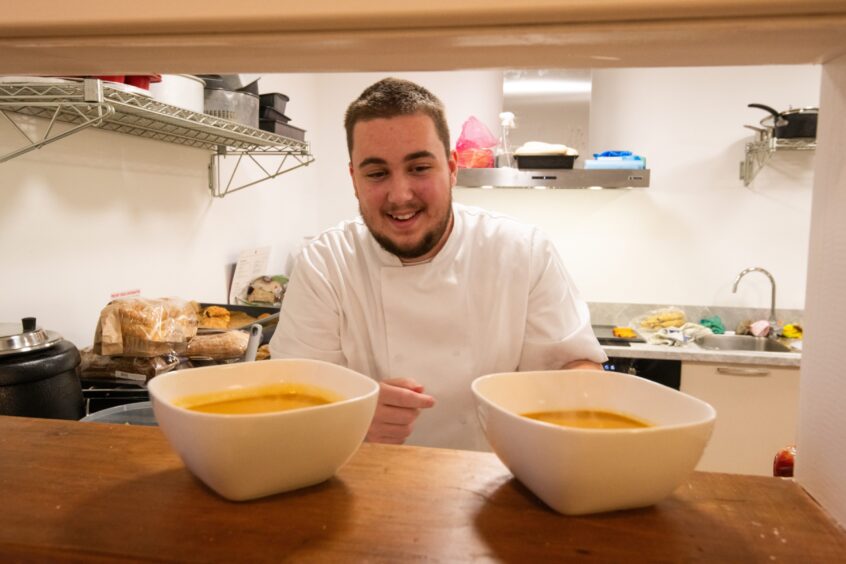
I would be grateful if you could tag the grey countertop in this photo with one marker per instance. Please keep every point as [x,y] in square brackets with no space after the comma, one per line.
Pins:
[624,314]
[692,352]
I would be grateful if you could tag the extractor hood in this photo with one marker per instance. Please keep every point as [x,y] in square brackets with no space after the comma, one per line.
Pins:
[551,178]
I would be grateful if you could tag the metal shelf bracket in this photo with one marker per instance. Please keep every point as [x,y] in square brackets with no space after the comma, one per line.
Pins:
[286,162]
[88,115]
[758,152]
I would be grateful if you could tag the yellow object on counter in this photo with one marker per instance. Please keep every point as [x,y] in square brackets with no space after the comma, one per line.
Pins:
[624,332]
[664,318]
[792,331]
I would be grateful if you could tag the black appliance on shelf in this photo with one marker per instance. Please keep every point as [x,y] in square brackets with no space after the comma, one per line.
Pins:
[38,372]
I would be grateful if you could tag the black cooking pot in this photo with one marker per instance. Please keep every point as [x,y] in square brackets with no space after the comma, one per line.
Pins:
[38,373]
[790,124]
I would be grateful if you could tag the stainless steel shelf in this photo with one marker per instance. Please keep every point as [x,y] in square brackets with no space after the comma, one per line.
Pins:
[551,178]
[92,103]
[758,152]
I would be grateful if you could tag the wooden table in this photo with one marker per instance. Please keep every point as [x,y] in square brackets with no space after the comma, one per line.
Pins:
[94,492]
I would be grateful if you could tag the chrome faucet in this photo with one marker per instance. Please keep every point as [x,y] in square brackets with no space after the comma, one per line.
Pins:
[772,296]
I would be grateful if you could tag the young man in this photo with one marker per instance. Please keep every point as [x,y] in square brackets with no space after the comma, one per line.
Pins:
[422,294]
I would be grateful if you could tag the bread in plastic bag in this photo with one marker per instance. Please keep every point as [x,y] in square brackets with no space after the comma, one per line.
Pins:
[145,327]
[662,318]
[123,368]
[219,346]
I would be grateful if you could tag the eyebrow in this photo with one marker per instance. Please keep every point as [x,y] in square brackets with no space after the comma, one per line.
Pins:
[409,157]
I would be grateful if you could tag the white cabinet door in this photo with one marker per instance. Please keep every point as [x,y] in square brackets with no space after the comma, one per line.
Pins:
[757,409]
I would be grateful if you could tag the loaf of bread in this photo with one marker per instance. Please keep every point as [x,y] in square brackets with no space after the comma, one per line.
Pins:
[219,346]
[215,317]
[145,327]
[263,352]
[238,319]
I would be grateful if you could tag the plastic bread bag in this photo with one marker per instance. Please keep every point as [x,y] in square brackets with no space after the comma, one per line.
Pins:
[145,327]
[226,345]
[661,318]
[123,368]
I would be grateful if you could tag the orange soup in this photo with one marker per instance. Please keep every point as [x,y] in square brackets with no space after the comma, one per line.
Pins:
[588,419]
[259,399]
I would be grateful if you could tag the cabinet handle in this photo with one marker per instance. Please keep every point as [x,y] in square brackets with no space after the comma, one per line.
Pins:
[743,371]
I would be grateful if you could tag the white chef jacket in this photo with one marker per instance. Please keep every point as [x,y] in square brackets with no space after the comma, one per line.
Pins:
[496,298]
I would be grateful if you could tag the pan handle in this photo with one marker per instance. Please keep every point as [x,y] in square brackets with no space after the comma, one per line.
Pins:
[775,113]
[778,119]
[253,343]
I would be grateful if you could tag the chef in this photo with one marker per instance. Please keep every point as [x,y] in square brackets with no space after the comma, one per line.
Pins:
[423,294]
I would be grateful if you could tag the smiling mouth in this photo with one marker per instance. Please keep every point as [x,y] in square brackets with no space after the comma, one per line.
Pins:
[403,216]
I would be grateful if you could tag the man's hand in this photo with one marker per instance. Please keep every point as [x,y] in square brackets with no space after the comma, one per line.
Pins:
[399,404]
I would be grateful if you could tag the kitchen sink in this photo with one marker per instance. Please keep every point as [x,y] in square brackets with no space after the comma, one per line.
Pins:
[741,343]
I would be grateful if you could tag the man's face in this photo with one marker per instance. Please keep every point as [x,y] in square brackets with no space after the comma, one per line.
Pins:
[403,182]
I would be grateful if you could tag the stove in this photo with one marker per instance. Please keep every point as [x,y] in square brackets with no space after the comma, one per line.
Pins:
[605,336]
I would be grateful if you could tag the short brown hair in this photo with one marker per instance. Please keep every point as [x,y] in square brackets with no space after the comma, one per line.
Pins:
[392,97]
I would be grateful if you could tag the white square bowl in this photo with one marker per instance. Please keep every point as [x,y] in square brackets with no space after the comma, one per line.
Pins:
[578,471]
[247,456]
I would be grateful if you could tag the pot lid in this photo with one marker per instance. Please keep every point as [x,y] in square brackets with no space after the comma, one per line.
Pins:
[25,336]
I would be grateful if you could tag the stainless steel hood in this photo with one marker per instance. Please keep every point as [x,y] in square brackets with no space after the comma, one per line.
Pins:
[551,178]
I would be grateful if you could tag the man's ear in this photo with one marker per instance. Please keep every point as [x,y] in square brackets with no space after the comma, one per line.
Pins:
[352,177]
[452,162]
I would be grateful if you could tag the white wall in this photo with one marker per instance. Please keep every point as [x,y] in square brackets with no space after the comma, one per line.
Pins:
[685,238]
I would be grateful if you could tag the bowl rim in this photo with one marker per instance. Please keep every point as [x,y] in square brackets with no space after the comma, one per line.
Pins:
[709,419]
[152,386]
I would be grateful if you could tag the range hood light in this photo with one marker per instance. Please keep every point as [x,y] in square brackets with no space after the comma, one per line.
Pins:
[538,87]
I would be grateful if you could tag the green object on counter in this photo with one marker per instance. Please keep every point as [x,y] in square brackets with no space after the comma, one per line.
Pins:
[714,323]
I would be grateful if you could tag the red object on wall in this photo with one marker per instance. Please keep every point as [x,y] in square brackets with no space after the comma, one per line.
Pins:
[783,462]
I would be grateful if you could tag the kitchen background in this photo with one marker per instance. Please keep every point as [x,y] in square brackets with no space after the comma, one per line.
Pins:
[99,213]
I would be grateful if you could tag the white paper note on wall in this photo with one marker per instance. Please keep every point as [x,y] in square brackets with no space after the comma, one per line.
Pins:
[251,264]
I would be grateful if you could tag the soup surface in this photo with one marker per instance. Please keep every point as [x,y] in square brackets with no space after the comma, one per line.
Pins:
[588,419]
[282,396]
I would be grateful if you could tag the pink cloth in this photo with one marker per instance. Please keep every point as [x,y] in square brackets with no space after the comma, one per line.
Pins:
[760,328]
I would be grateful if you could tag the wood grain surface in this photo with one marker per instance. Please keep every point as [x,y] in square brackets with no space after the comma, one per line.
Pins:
[100,38]
[32,19]
[88,492]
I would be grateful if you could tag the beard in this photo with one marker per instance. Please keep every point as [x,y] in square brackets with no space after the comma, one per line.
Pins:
[426,243]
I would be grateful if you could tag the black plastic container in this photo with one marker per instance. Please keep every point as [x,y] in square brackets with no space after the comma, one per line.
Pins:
[283,129]
[267,112]
[545,161]
[275,100]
